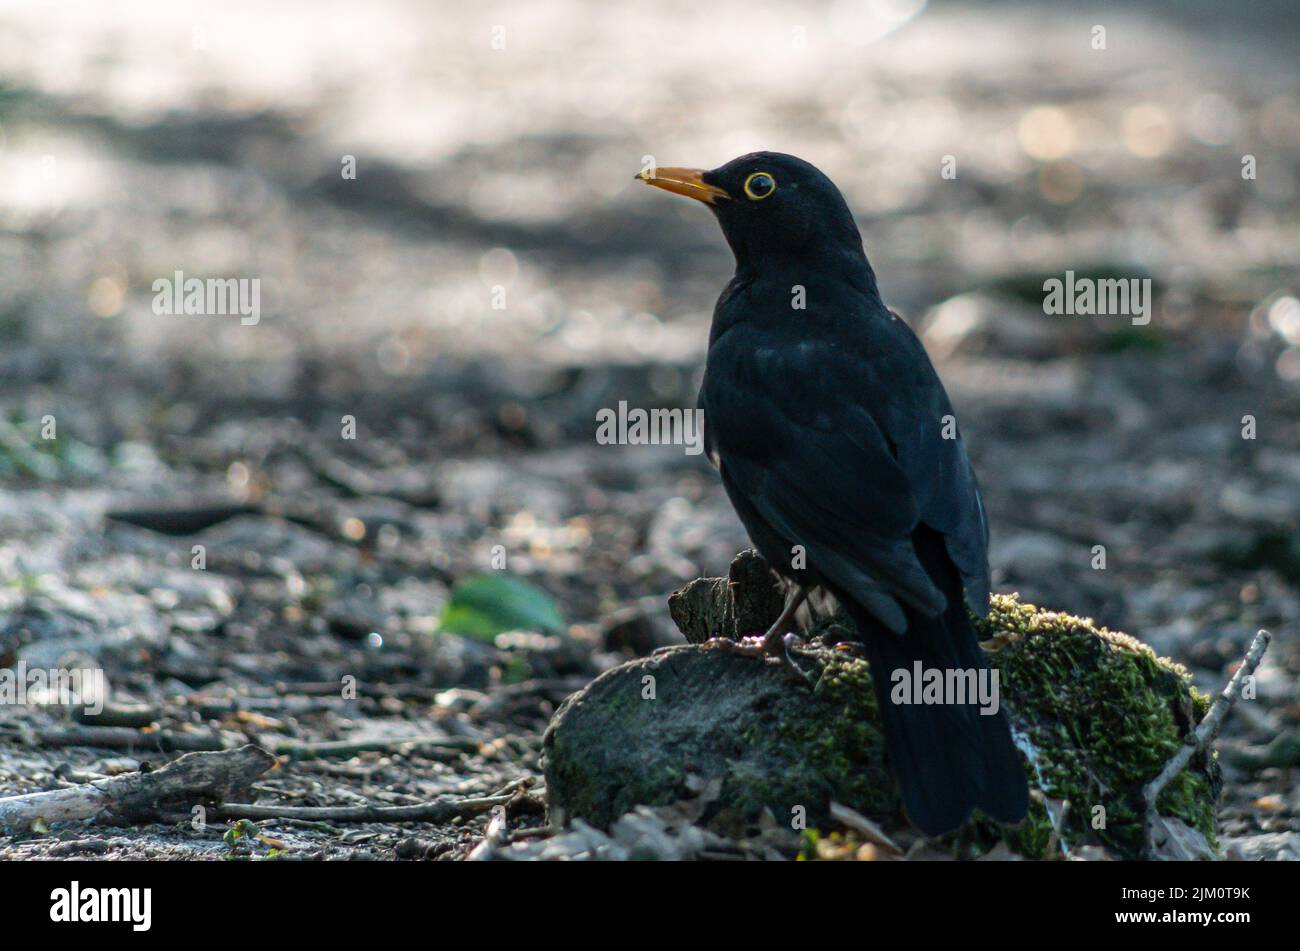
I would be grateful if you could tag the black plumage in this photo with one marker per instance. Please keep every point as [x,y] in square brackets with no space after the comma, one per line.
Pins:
[837,446]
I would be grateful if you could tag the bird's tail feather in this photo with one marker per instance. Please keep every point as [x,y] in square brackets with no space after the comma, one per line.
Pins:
[950,758]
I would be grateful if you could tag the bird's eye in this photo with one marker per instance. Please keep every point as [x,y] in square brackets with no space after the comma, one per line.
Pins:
[759,185]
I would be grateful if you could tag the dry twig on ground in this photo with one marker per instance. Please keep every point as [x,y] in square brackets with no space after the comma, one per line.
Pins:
[1204,734]
[194,778]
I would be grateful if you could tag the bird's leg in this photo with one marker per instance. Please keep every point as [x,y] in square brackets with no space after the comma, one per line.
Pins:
[774,639]
[775,643]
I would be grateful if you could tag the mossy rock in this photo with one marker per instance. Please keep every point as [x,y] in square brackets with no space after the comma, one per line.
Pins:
[1099,715]
[1096,713]
[650,731]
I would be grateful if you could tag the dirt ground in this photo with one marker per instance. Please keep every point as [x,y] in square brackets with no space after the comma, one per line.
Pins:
[493,277]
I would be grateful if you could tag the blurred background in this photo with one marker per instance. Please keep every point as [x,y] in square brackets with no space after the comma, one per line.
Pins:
[493,276]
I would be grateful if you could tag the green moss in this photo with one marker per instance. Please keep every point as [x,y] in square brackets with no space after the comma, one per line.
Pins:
[1096,712]
[1099,714]
[842,740]
[833,746]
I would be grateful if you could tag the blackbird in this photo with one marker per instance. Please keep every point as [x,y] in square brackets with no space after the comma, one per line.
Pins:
[839,451]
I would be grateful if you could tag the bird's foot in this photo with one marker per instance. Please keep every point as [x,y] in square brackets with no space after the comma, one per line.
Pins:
[780,654]
[773,647]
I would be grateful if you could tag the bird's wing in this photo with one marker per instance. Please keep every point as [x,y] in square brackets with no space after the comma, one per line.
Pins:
[918,420]
[795,442]
[842,452]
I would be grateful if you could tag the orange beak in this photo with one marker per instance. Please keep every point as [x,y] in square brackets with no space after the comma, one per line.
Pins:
[684,181]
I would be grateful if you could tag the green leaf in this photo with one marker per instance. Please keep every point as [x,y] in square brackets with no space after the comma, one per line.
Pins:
[490,604]
[241,829]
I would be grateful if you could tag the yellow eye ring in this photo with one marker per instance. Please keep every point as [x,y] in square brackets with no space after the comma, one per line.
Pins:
[759,185]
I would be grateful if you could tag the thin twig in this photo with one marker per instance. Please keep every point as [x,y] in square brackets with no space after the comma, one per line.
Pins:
[1056,847]
[299,750]
[127,738]
[1205,732]
[442,810]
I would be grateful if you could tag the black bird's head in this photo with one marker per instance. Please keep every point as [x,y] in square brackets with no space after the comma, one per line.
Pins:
[770,206]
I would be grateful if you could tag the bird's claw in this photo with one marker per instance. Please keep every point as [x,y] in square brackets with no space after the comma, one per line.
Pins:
[785,660]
